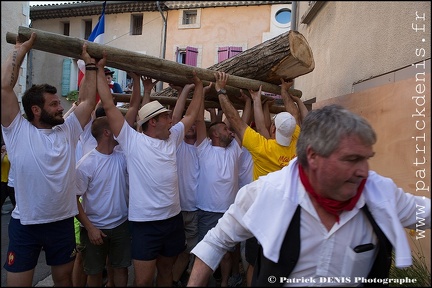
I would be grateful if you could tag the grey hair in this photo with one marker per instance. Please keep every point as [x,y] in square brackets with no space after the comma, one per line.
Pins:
[323,129]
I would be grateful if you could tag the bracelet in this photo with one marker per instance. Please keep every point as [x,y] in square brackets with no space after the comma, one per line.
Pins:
[92,68]
[88,64]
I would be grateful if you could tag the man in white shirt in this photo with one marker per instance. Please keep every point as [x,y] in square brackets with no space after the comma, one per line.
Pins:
[219,158]
[102,182]
[42,150]
[154,205]
[324,216]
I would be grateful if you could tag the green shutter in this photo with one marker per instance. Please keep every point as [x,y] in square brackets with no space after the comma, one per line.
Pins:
[66,75]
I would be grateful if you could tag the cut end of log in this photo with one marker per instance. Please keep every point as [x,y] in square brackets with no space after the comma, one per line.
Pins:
[301,50]
[298,62]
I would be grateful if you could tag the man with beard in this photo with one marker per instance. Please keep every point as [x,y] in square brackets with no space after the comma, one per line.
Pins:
[219,162]
[42,149]
[188,171]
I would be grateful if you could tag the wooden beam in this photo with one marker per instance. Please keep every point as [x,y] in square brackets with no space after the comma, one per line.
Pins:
[156,68]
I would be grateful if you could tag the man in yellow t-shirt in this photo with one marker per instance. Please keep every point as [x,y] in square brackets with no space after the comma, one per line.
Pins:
[271,149]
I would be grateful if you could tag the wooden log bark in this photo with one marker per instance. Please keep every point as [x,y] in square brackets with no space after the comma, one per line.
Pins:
[285,56]
[160,69]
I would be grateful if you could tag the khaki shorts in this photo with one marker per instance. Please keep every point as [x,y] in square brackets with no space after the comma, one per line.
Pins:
[190,221]
[117,246]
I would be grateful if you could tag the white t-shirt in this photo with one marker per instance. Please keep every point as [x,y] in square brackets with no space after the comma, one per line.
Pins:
[218,178]
[245,167]
[44,169]
[102,181]
[152,167]
[86,141]
[188,171]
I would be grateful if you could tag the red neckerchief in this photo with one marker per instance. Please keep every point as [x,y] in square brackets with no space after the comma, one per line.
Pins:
[332,206]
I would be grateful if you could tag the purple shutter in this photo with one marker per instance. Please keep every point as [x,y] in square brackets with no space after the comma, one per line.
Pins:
[222,54]
[234,51]
[191,56]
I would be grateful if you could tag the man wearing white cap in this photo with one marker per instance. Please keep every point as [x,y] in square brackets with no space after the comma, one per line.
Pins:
[271,150]
[154,205]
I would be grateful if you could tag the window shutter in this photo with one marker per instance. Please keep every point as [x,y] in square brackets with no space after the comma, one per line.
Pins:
[234,51]
[191,56]
[223,54]
[66,75]
[177,55]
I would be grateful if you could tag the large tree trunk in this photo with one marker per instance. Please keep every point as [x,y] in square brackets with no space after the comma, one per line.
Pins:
[289,57]
[286,56]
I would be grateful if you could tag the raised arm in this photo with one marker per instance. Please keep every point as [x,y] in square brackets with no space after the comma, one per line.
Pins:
[201,129]
[115,117]
[289,104]
[266,112]
[178,110]
[236,122]
[247,110]
[148,84]
[194,106]
[258,113]
[87,91]
[301,107]
[135,99]
[10,72]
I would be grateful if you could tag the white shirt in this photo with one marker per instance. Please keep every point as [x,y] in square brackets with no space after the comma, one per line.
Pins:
[245,167]
[102,181]
[264,209]
[152,167]
[44,169]
[218,178]
[86,141]
[188,171]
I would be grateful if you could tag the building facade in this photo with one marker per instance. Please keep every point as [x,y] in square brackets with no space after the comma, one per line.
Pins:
[197,33]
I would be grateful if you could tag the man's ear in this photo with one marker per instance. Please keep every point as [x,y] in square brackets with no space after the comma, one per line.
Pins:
[152,122]
[36,110]
[311,157]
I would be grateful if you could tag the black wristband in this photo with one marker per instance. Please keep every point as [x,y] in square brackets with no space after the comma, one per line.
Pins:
[89,64]
[92,68]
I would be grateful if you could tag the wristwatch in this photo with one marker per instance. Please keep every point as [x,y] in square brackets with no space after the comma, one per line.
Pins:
[221,91]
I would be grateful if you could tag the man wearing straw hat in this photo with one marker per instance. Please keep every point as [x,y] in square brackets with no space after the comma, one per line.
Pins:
[154,205]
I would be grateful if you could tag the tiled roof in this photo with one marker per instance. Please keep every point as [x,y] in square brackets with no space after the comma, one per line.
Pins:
[207,4]
[89,8]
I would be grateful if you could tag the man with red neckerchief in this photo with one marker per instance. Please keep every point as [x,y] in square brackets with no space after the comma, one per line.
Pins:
[324,216]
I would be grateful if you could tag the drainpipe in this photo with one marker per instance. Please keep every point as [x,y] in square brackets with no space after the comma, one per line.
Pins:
[159,85]
[294,16]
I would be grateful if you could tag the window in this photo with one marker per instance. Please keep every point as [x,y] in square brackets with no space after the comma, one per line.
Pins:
[87,28]
[190,18]
[228,52]
[66,28]
[283,16]
[136,24]
[314,8]
[188,56]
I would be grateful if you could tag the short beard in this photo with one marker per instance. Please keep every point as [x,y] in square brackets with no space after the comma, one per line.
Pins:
[50,119]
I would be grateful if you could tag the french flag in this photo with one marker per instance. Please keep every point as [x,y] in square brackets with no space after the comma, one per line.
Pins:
[97,36]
